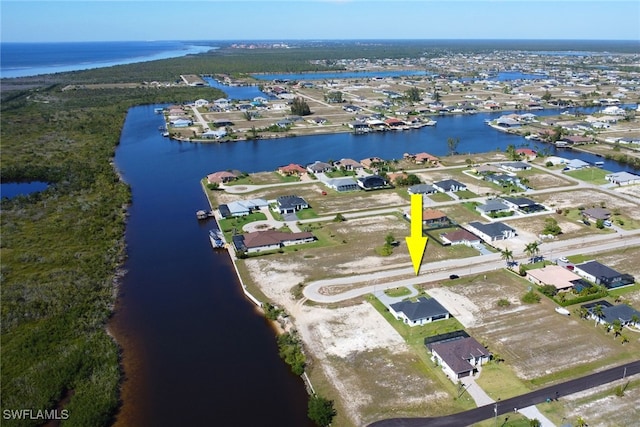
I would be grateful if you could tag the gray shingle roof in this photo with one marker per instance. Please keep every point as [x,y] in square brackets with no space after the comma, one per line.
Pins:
[423,309]
[596,269]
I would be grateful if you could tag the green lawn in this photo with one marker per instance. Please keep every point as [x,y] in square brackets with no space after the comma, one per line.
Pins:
[440,197]
[227,225]
[466,194]
[306,214]
[592,175]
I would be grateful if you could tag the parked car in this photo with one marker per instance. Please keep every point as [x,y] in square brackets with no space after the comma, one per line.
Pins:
[454,276]
[563,259]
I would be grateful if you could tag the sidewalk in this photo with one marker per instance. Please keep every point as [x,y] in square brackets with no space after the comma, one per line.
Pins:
[481,398]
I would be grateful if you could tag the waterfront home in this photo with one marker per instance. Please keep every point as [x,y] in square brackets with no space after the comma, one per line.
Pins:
[449,185]
[292,169]
[241,207]
[527,153]
[371,162]
[459,357]
[507,122]
[372,182]
[423,311]
[268,240]
[290,204]
[421,189]
[623,178]
[600,274]
[201,103]
[359,126]
[492,231]
[555,275]
[319,167]
[575,139]
[422,158]
[215,134]
[181,123]
[222,177]
[348,165]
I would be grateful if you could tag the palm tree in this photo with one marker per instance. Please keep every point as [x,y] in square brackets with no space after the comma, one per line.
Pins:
[617,328]
[635,319]
[507,255]
[580,422]
[598,313]
[532,249]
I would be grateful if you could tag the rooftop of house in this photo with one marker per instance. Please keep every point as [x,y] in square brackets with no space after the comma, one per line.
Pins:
[594,268]
[554,275]
[492,229]
[424,308]
[456,353]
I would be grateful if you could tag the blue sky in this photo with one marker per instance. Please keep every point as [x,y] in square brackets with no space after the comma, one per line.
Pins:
[52,20]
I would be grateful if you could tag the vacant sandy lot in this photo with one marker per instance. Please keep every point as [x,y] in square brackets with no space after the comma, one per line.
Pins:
[588,198]
[533,339]
[600,406]
[366,360]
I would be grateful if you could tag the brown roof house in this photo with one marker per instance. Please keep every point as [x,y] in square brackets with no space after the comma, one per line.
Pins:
[433,218]
[459,357]
[221,177]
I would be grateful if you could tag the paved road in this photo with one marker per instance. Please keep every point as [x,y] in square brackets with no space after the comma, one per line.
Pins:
[429,272]
[506,406]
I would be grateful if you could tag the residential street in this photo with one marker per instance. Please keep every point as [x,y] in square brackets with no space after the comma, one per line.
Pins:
[373,282]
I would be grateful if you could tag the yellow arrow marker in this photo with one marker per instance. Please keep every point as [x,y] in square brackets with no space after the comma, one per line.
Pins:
[415,242]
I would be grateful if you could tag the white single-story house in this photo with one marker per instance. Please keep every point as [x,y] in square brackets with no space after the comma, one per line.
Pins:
[342,184]
[259,241]
[623,178]
[425,310]
[492,231]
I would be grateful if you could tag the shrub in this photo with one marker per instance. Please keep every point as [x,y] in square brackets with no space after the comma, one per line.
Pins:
[531,297]
[503,302]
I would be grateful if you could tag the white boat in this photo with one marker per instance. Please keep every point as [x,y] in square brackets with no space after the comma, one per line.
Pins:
[216,238]
[563,311]
[431,123]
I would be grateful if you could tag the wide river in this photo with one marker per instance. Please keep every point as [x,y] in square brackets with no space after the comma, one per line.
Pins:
[195,351]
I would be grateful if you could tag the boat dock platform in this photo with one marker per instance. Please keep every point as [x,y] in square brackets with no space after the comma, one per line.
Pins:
[202,214]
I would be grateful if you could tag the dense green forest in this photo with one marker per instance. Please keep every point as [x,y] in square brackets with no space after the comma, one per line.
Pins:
[61,248]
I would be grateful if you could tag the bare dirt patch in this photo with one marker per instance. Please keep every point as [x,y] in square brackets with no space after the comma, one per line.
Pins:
[600,406]
[540,181]
[367,361]
[588,198]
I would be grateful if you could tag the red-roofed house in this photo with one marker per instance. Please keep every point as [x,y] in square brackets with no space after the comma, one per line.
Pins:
[528,153]
[292,169]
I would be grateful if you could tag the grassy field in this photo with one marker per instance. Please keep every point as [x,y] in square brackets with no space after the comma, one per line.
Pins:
[591,175]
